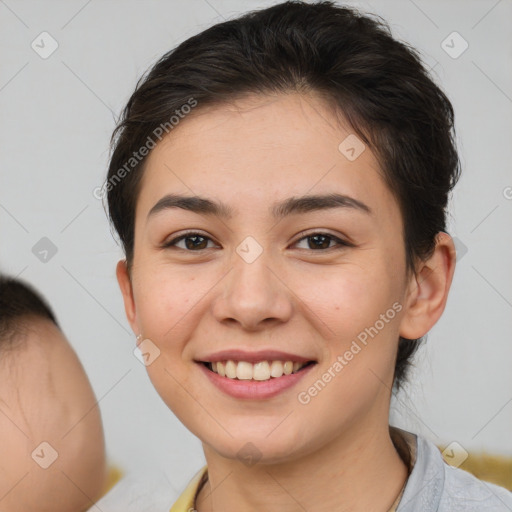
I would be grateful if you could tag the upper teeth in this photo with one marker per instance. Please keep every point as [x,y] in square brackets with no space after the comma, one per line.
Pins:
[263,370]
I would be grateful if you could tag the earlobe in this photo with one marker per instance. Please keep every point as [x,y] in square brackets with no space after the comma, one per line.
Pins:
[428,290]
[125,285]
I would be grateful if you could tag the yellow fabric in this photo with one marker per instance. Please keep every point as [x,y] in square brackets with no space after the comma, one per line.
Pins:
[186,502]
[114,474]
[496,469]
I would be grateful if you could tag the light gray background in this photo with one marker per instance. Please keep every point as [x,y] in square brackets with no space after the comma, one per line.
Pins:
[57,115]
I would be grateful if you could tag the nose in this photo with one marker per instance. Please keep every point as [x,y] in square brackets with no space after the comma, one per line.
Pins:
[253,295]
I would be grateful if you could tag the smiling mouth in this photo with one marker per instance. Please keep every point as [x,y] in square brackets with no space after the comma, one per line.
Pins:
[261,371]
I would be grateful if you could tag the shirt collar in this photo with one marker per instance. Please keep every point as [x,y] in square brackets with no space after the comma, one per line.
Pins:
[186,501]
[425,484]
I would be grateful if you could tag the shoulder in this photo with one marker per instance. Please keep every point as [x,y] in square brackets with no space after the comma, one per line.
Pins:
[139,492]
[435,486]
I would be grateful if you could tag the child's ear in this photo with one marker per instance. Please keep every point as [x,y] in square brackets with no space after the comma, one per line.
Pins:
[428,289]
[125,284]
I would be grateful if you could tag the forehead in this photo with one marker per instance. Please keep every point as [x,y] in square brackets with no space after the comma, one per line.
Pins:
[260,149]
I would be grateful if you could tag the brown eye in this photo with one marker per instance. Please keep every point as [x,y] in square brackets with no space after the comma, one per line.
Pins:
[322,241]
[191,242]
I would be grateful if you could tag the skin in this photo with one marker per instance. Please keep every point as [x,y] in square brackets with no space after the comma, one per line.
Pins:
[334,453]
[45,396]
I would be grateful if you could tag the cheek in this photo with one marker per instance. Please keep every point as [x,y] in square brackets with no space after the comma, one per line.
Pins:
[347,299]
[360,307]
[164,299]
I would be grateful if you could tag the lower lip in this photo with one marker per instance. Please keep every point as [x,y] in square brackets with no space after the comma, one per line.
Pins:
[255,389]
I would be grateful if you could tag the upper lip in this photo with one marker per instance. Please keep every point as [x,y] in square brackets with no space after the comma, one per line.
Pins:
[253,357]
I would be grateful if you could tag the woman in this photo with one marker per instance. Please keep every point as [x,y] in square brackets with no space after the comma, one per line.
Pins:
[279,183]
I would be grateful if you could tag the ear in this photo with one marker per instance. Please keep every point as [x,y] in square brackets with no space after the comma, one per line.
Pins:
[428,289]
[125,284]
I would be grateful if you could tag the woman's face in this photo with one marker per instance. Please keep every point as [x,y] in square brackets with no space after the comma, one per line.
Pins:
[263,278]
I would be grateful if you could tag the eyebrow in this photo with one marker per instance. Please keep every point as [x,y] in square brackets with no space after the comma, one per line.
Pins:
[292,205]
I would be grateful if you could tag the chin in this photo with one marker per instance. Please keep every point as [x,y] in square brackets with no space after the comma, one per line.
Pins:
[250,447]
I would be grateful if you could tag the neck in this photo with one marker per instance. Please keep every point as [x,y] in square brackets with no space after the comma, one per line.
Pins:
[356,472]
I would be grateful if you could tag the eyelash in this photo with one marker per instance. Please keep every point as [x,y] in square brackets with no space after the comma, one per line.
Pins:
[340,243]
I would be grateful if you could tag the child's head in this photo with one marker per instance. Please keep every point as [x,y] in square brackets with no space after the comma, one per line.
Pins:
[52,457]
[295,124]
